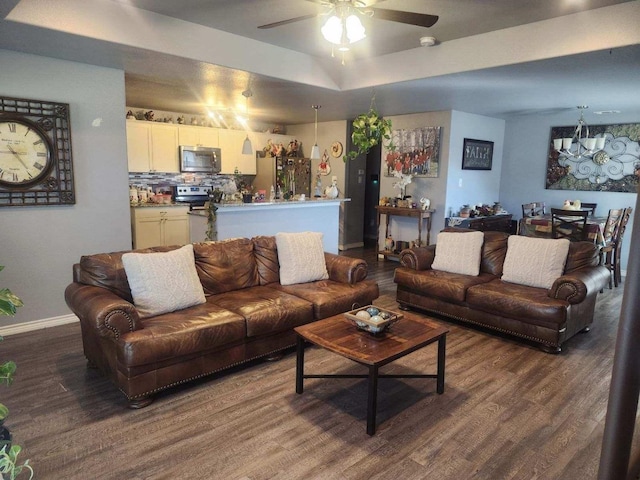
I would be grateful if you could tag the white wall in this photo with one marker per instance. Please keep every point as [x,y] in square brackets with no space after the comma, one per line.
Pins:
[527,142]
[38,245]
[473,187]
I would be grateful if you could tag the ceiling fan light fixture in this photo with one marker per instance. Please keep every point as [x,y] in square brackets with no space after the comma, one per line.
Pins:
[343,31]
[355,29]
[332,30]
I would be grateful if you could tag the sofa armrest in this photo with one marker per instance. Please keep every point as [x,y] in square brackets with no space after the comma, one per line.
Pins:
[575,286]
[418,258]
[345,269]
[109,314]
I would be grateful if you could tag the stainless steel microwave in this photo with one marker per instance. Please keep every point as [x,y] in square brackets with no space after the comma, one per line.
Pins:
[199,159]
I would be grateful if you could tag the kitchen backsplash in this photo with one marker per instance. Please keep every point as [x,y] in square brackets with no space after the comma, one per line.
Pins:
[162,182]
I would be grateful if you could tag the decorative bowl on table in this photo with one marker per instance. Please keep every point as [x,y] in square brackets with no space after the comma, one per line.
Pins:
[372,319]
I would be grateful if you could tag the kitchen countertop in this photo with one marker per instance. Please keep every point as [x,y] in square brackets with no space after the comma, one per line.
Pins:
[157,205]
[276,204]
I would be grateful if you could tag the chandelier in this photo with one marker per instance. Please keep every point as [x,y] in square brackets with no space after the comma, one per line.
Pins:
[581,144]
[344,27]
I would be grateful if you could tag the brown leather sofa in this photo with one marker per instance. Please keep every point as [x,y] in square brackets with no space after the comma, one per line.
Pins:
[547,317]
[247,316]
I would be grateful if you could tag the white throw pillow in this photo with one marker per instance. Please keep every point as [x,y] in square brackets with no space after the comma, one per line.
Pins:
[301,257]
[164,281]
[459,252]
[536,262]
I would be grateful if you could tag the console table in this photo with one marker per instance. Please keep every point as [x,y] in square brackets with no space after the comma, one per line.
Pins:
[418,213]
[495,223]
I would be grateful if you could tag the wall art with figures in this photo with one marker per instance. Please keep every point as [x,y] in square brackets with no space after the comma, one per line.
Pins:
[614,168]
[417,152]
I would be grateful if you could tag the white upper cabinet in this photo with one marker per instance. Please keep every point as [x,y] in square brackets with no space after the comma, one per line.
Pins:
[152,147]
[138,146]
[231,150]
[197,136]
[164,148]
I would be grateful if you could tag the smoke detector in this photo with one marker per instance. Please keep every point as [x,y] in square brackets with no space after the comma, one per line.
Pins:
[428,41]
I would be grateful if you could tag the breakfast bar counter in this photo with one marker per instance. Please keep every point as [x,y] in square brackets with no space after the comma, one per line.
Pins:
[268,218]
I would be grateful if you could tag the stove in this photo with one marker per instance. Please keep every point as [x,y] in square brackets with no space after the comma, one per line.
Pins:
[194,195]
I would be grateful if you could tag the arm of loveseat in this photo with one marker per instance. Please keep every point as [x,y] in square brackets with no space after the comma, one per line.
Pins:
[345,269]
[418,258]
[575,286]
[102,309]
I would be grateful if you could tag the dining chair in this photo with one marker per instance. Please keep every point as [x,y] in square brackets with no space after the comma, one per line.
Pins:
[533,209]
[609,234]
[569,224]
[591,207]
[613,248]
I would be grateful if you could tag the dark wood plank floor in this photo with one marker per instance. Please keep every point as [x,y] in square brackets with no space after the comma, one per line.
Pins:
[509,411]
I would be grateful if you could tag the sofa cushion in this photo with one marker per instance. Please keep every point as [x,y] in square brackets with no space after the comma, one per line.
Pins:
[444,285]
[458,252]
[163,282]
[301,257]
[174,335]
[536,262]
[331,298]
[528,304]
[106,270]
[266,310]
[266,254]
[226,265]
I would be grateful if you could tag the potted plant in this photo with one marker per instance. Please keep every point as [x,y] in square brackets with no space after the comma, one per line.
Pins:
[369,130]
[9,466]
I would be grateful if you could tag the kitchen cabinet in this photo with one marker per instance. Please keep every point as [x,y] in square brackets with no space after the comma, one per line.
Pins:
[231,151]
[164,148]
[138,146]
[197,136]
[152,147]
[155,226]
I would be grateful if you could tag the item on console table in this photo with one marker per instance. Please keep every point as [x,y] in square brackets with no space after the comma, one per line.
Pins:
[401,245]
[372,319]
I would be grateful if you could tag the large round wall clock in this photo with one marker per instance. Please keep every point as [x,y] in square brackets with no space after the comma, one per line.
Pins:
[36,166]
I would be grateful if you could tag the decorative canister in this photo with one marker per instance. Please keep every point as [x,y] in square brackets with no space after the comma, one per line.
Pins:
[389,243]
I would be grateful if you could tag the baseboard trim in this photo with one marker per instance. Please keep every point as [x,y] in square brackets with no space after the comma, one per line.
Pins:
[37,325]
[349,246]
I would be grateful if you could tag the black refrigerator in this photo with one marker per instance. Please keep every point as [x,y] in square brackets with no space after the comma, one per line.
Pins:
[291,174]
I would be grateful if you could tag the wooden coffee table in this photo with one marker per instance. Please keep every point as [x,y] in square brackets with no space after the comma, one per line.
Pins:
[339,335]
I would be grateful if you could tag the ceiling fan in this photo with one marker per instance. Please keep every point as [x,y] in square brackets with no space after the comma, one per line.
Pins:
[344,27]
[411,18]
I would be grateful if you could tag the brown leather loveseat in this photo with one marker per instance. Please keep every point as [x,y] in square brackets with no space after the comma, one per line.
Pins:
[247,314]
[545,316]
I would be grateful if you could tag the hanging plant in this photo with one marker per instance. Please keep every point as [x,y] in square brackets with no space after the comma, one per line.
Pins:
[369,130]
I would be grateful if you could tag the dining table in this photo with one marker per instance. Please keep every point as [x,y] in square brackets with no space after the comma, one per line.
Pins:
[540,226]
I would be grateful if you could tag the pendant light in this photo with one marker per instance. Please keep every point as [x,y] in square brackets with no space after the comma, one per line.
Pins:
[247,148]
[315,150]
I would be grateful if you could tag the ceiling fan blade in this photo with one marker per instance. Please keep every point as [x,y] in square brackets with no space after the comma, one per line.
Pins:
[291,20]
[412,18]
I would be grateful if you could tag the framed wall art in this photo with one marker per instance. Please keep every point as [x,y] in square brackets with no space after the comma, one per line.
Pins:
[613,168]
[477,154]
[417,152]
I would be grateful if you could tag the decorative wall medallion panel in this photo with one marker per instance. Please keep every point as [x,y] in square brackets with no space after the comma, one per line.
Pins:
[615,168]
[417,152]
[36,165]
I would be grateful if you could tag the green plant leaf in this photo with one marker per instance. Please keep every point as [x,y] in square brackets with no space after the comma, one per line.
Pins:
[7,371]
[4,412]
